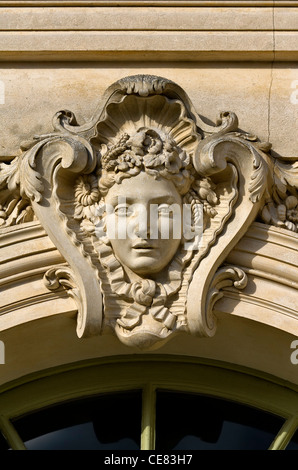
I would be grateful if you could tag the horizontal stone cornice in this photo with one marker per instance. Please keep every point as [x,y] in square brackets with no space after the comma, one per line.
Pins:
[138,3]
[189,31]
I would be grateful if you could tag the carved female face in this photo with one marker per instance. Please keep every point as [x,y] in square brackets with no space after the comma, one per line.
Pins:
[143,212]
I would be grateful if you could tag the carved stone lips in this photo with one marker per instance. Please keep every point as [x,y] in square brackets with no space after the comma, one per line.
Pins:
[142,246]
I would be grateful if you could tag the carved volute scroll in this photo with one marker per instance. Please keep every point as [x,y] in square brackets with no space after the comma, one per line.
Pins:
[146,147]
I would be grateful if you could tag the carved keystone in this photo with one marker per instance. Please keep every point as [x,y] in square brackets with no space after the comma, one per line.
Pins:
[145,202]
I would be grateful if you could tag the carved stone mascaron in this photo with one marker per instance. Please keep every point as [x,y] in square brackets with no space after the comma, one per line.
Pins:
[145,146]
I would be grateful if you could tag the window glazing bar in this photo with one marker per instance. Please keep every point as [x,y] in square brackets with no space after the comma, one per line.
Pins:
[11,435]
[285,434]
[148,418]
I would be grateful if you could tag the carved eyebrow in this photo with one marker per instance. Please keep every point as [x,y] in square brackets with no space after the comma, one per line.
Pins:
[163,198]
[116,200]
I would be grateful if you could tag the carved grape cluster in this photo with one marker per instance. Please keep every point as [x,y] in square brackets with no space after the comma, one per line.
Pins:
[205,190]
[148,150]
[145,148]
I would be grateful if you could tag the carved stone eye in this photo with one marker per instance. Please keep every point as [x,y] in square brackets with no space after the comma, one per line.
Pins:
[123,210]
[164,210]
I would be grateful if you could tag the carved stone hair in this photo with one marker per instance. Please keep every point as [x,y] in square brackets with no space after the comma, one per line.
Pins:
[147,150]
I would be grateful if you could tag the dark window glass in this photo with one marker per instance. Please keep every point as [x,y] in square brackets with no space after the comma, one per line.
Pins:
[293,444]
[106,422]
[194,422]
[3,443]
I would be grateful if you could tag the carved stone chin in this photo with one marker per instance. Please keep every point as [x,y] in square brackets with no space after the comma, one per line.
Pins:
[145,201]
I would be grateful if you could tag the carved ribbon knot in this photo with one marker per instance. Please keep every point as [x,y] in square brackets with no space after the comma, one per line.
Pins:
[143,293]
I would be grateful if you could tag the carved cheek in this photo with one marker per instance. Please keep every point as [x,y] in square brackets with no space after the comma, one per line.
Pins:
[122,249]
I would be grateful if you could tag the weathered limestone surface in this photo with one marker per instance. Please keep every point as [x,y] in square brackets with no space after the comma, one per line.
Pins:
[262,96]
[227,56]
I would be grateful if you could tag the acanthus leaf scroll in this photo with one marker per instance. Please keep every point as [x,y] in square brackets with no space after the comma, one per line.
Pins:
[145,146]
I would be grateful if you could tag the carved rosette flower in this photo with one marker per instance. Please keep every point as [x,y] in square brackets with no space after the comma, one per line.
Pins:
[288,213]
[283,214]
[86,195]
[292,208]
